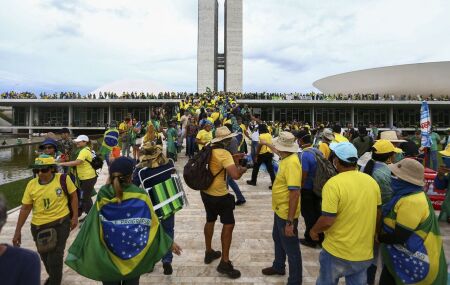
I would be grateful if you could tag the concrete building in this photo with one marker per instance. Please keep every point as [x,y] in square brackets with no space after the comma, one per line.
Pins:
[209,60]
[406,79]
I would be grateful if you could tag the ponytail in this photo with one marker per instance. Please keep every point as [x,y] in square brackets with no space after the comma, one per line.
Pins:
[117,181]
[368,169]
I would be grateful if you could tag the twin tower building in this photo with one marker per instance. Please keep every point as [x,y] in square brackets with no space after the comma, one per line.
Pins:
[209,60]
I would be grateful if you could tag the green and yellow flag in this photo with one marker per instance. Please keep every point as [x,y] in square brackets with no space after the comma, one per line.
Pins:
[119,241]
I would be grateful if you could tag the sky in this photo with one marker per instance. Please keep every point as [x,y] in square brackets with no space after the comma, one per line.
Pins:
[80,45]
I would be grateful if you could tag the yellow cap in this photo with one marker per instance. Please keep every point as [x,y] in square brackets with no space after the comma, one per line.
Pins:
[446,152]
[385,146]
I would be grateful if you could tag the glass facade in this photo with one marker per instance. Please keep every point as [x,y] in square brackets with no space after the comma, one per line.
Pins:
[367,116]
[53,116]
[407,117]
[440,117]
[333,115]
[140,113]
[293,114]
[90,117]
[20,115]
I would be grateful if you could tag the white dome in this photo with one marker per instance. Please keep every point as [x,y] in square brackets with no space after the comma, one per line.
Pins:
[129,86]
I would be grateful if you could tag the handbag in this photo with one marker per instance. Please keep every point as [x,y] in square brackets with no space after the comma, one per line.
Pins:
[46,240]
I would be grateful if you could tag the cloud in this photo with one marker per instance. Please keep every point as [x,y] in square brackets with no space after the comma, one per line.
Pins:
[287,44]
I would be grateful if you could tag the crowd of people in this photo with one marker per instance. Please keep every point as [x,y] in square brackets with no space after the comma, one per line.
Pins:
[239,96]
[359,192]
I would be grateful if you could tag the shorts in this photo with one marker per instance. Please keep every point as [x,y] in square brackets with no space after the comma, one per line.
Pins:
[222,206]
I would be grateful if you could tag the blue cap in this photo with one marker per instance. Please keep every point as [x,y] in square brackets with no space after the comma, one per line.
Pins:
[49,141]
[345,151]
[123,165]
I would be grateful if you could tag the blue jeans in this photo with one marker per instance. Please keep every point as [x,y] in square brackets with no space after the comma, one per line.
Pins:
[289,246]
[235,189]
[190,145]
[169,227]
[253,149]
[332,268]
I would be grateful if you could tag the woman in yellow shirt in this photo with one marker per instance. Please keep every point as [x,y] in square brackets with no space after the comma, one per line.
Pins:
[84,172]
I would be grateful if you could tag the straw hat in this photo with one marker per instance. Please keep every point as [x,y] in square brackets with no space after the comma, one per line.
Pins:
[152,156]
[223,133]
[446,152]
[409,170]
[328,134]
[385,146]
[286,142]
[390,136]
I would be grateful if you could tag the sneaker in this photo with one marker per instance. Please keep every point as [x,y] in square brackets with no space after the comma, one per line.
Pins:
[308,243]
[240,202]
[271,271]
[212,255]
[228,269]
[249,182]
[167,268]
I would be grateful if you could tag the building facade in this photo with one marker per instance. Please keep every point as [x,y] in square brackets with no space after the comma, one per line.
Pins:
[209,60]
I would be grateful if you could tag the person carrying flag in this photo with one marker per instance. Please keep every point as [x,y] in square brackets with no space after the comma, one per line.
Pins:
[411,243]
[121,238]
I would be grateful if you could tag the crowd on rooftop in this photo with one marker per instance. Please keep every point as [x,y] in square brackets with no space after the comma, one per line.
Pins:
[239,96]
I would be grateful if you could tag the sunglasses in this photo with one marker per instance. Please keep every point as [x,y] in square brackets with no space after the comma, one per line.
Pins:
[43,170]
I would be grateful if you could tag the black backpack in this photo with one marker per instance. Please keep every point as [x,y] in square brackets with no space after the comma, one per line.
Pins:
[197,173]
[96,162]
[62,181]
[324,171]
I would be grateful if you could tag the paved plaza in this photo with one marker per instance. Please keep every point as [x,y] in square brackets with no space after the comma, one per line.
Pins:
[252,247]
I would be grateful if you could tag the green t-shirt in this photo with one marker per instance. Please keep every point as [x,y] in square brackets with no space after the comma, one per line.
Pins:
[435,139]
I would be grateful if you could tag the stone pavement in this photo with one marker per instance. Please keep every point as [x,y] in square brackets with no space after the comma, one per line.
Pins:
[252,247]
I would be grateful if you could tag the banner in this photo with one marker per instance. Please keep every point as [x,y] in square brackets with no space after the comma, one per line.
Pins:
[425,125]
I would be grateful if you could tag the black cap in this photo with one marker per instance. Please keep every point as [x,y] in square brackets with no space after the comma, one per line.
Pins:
[64,131]
[409,148]
[300,134]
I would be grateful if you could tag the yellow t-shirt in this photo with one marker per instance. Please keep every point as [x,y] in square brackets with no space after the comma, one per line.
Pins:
[268,139]
[215,116]
[85,170]
[204,136]
[220,159]
[352,197]
[339,138]
[325,149]
[289,178]
[49,201]
[411,211]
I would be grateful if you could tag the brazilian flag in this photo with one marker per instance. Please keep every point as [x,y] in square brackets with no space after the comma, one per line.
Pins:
[119,240]
[421,260]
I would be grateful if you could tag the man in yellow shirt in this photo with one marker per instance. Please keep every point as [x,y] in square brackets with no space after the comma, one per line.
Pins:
[337,134]
[218,202]
[204,136]
[350,217]
[286,207]
[46,197]
[324,145]
[264,155]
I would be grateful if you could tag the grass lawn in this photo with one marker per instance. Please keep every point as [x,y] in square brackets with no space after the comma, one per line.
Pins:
[13,192]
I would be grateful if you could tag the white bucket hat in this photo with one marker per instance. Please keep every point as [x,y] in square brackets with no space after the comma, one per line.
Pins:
[286,141]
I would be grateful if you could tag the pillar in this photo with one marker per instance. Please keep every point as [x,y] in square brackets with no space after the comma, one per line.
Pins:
[30,121]
[110,117]
[70,121]
[352,116]
[273,113]
[391,116]
[233,46]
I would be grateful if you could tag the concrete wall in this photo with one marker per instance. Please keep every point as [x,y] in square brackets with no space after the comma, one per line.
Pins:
[207,45]
[233,45]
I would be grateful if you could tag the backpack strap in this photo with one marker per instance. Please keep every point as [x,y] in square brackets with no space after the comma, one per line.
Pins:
[63,182]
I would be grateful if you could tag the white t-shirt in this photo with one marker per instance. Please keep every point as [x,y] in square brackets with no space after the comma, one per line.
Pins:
[255,136]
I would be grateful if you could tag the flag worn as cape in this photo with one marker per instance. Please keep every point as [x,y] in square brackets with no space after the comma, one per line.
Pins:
[119,241]
[421,260]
